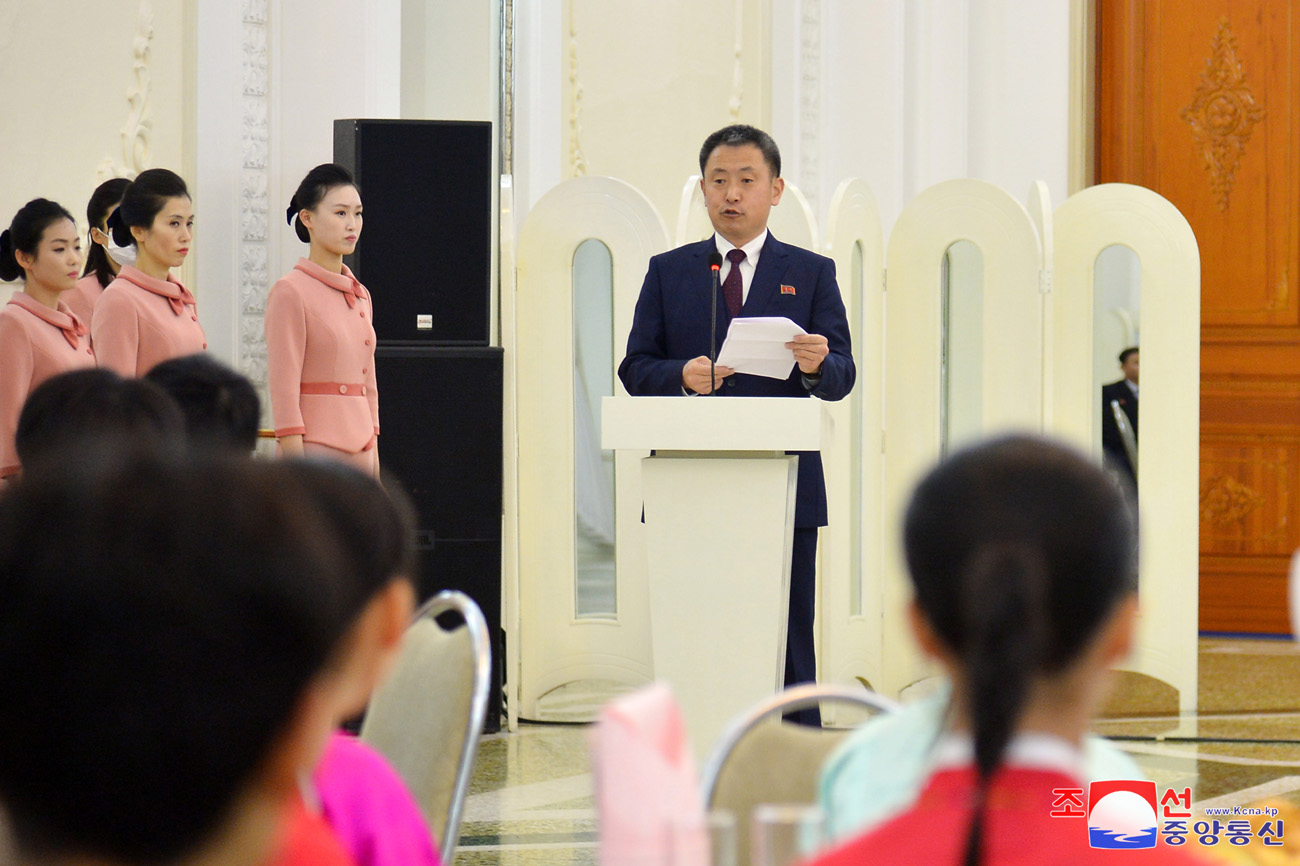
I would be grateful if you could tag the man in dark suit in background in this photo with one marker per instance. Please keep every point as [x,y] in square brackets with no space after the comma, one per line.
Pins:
[1125,393]
[667,349]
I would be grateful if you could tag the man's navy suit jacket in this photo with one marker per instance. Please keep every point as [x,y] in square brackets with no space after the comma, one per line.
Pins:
[671,326]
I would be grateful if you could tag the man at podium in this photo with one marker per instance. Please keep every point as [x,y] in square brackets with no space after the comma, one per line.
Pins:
[669,345]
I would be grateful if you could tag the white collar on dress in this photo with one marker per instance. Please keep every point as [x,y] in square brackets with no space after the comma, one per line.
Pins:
[1029,749]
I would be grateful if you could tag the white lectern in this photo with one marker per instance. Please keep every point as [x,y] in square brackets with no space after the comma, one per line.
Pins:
[719,520]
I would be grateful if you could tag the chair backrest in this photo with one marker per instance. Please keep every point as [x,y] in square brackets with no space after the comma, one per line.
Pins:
[760,759]
[427,717]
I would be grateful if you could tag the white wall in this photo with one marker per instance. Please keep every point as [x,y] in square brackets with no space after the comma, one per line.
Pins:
[908,93]
[449,59]
[325,73]
[68,70]
[1019,90]
[644,83]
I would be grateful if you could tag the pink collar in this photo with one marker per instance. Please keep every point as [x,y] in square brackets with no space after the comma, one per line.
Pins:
[62,318]
[344,282]
[170,288]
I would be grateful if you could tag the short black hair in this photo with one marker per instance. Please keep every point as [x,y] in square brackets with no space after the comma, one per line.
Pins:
[68,411]
[162,619]
[739,134]
[1123,356]
[220,405]
[25,232]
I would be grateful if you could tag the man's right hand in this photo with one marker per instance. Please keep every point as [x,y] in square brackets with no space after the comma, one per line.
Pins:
[695,375]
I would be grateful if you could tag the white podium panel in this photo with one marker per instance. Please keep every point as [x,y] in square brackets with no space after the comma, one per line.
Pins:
[714,424]
[718,539]
[719,527]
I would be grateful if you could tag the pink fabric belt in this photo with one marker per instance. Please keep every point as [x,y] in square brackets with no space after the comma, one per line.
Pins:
[338,388]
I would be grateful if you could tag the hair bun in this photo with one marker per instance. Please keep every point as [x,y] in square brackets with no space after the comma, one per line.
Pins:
[291,211]
[117,229]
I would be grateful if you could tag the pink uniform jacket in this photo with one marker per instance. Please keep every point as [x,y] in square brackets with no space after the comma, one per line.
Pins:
[320,344]
[139,322]
[35,344]
[81,297]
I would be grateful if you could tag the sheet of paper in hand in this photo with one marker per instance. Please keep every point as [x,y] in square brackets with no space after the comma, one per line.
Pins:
[756,345]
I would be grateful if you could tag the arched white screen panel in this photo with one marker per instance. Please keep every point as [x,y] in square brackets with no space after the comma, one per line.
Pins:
[1009,334]
[557,647]
[851,612]
[1169,439]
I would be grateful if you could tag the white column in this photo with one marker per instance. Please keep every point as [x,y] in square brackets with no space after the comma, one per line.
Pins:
[218,88]
[935,97]
[863,100]
[539,114]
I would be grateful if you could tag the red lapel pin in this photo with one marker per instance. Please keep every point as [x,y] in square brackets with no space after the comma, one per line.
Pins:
[787,290]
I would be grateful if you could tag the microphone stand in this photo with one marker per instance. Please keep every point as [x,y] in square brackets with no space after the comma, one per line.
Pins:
[715,265]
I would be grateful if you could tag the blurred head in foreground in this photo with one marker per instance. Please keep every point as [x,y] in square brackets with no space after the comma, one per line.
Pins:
[163,627]
[1022,555]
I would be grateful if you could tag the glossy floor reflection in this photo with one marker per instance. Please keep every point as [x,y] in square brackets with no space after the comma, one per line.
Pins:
[531,800]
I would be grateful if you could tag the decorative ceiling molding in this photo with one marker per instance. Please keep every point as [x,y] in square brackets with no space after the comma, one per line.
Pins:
[1223,113]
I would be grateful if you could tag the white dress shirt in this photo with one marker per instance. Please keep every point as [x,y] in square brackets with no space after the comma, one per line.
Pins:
[747,265]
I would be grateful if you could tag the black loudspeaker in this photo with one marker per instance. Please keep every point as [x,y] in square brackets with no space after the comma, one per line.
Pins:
[440,417]
[425,249]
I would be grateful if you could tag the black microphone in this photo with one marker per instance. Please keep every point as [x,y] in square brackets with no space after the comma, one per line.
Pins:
[715,265]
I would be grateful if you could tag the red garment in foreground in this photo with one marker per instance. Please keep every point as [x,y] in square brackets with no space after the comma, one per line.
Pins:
[306,840]
[1019,828]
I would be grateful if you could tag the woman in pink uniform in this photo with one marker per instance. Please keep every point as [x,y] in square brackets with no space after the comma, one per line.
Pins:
[39,336]
[146,316]
[101,267]
[320,339]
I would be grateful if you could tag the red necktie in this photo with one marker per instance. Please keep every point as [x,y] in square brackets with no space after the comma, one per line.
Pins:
[732,287]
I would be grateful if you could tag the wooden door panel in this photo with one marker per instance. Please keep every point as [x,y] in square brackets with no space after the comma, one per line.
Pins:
[1220,111]
[1199,100]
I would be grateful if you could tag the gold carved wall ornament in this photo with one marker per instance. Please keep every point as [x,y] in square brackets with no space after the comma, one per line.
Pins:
[1223,113]
[1227,500]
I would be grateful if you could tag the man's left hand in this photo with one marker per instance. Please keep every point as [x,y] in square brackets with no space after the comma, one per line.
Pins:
[809,352]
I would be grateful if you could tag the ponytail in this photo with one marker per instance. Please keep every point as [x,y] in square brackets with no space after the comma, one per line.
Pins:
[25,232]
[103,201]
[1002,590]
[1019,550]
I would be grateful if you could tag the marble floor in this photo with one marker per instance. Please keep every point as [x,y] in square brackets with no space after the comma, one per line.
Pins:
[531,799]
